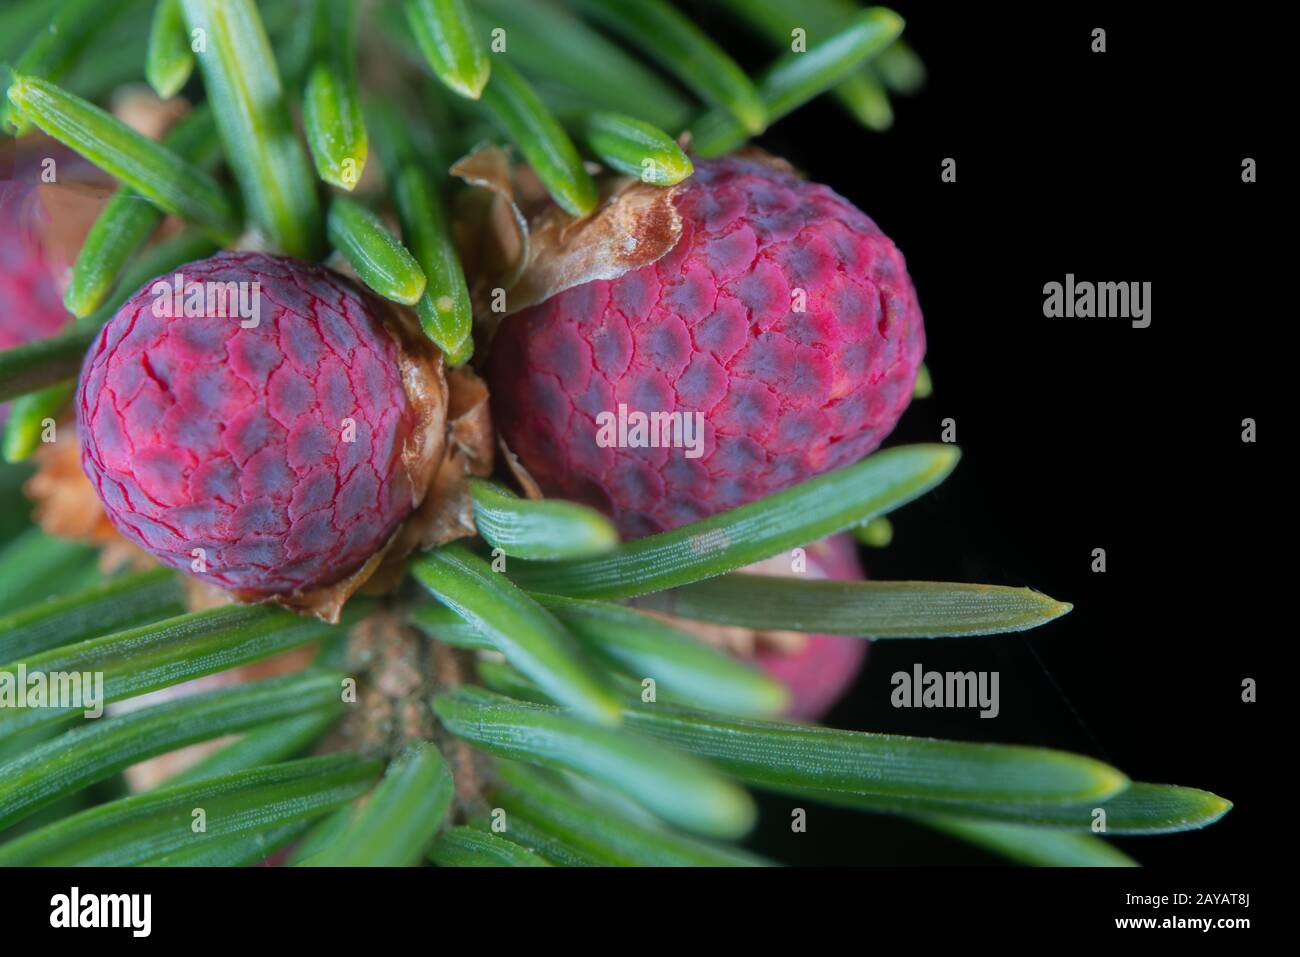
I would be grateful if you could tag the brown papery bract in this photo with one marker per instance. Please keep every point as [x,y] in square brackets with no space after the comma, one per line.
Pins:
[512,238]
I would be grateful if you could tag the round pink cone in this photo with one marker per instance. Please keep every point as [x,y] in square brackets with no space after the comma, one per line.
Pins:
[274,448]
[783,316]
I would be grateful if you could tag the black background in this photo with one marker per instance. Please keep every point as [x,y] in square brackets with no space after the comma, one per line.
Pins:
[1083,434]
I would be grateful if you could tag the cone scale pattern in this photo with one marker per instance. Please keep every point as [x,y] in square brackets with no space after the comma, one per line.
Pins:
[783,316]
[266,458]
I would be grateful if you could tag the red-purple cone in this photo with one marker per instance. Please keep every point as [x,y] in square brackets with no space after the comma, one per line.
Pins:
[262,458]
[783,323]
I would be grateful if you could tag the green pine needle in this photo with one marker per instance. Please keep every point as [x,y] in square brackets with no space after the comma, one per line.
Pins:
[798,77]
[804,513]
[606,834]
[545,530]
[101,609]
[861,93]
[331,99]
[268,744]
[683,668]
[683,49]
[151,169]
[444,310]
[523,631]
[635,148]
[33,419]
[147,827]
[34,567]
[470,847]
[98,749]
[521,115]
[447,38]
[677,788]
[399,819]
[166,653]
[169,61]
[55,48]
[243,84]
[128,220]
[886,769]
[548,43]
[863,608]
[378,256]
